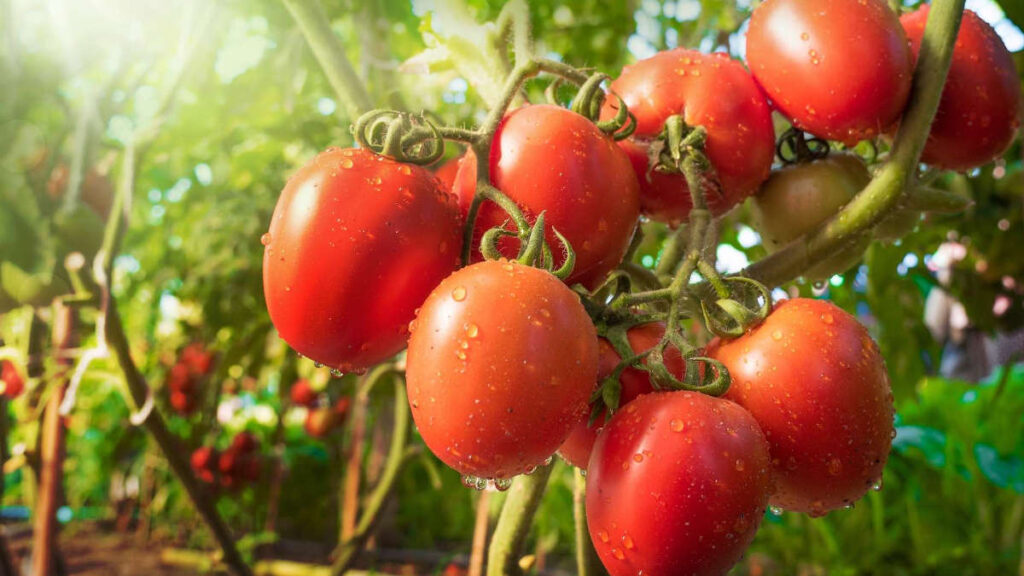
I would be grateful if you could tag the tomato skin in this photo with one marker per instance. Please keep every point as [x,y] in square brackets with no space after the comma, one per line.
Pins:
[13,382]
[501,363]
[356,243]
[978,115]
[549,159]
[577,447]
[446,172]
[799,197]
[677,485]
[713,91]
[817,384]
[840,69]
[302,393]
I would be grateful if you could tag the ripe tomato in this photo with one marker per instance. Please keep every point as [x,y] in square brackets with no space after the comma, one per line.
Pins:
[677,484]
[446,172]
[197,358]
[204,463]
[10,377]
[817,384]
[840,69]
[322,421]
[501,363]
[979,111]
[356,243]
[302,393]
[799,197]
[577,447]
[549,159]
[713,91]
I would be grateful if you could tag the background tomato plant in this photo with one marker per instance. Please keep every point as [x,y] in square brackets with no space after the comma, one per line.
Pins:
[252,105]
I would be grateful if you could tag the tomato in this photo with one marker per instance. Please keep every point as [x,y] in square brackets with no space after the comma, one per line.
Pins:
[204,463]
[447,172]
[817,384]
[979,114]
[356,243]
[322,421]
[197,358]
[13,382]
[240,463]
[677,484]
[302,393]
[799,197]
[635,382]
[548,159]
[839,69]
[501,363]
[713,91]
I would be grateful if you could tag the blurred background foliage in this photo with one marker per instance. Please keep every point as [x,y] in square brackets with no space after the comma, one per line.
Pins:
[229,101]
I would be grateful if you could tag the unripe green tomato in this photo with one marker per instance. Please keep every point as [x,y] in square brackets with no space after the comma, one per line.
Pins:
[897,225]
[798,198]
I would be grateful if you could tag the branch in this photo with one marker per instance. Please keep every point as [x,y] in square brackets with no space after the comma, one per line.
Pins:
[312,20]
[884,192]
[514,523]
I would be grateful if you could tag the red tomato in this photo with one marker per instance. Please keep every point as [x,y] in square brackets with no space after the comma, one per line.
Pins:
[322,421]
[13,383]
[183,402]
[197,358]
[446,172]
[712,91]
[577,447]
[204,461]
[677,484]
[356,243]
[816,383]
[245,442]
[549,159]
[979,111]
[302,393]
[501,363]
[840,69]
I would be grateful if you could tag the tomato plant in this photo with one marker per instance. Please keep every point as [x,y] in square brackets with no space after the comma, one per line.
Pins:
[301,393]
[551,160]
[714,92]
[799,197]
[979,112]
[839,69]
[817,385]
[634,382]
[356,243]
[677,484]
[501,362]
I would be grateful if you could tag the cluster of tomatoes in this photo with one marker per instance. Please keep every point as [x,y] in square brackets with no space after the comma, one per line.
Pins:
[186,376]
[504,359]
[238,465]
[320,420]
[11,379]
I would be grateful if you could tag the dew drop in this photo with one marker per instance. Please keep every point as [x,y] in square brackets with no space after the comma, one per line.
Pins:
[627,542]
[472,330]
[265,239]
[502,484]
[336,373]
[602,535]
[827,318]
[835,467]
[740,466]
[638,457]
[618,553]
[346,163]
[775,510]
[877,486]
[777,335]
[459,293]
[318,365]
[676,424]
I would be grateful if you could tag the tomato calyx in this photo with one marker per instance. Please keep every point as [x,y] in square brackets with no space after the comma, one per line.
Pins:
[794,147]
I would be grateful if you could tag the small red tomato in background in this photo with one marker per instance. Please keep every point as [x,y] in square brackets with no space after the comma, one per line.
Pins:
[713,91]
[204,463]
[635,382]
[302,393]
[677,484]
[356,243]
[240,463]
[501,363]
[817,384]
[839,69]
[13,382]
[197,358]
[549,159]
[322,421]
[978,115]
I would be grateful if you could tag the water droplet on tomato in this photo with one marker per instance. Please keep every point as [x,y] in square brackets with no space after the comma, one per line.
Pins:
[877,485]
[602,535]
[336,373]
[777,335]
[318,365]
[638,457]
[740,465]
[459,293]
[835,467]
[502,484]
[775,510]
[265,239]
[346,163]
[627,542]
[472,330]
[618,553]
[676,425]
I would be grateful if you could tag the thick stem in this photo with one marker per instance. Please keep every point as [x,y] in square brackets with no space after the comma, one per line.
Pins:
[884,192]
[312,20]
[514,522]
[170,447]
[477,553]
[587,561]
[398,455]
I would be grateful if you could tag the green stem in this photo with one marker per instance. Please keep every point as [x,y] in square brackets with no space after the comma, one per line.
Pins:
[587,562]
[398,456]
[329,52]
[514,522]
[884,192]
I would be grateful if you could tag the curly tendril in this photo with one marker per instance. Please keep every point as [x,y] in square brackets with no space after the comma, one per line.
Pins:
[801,149]
[405,137]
